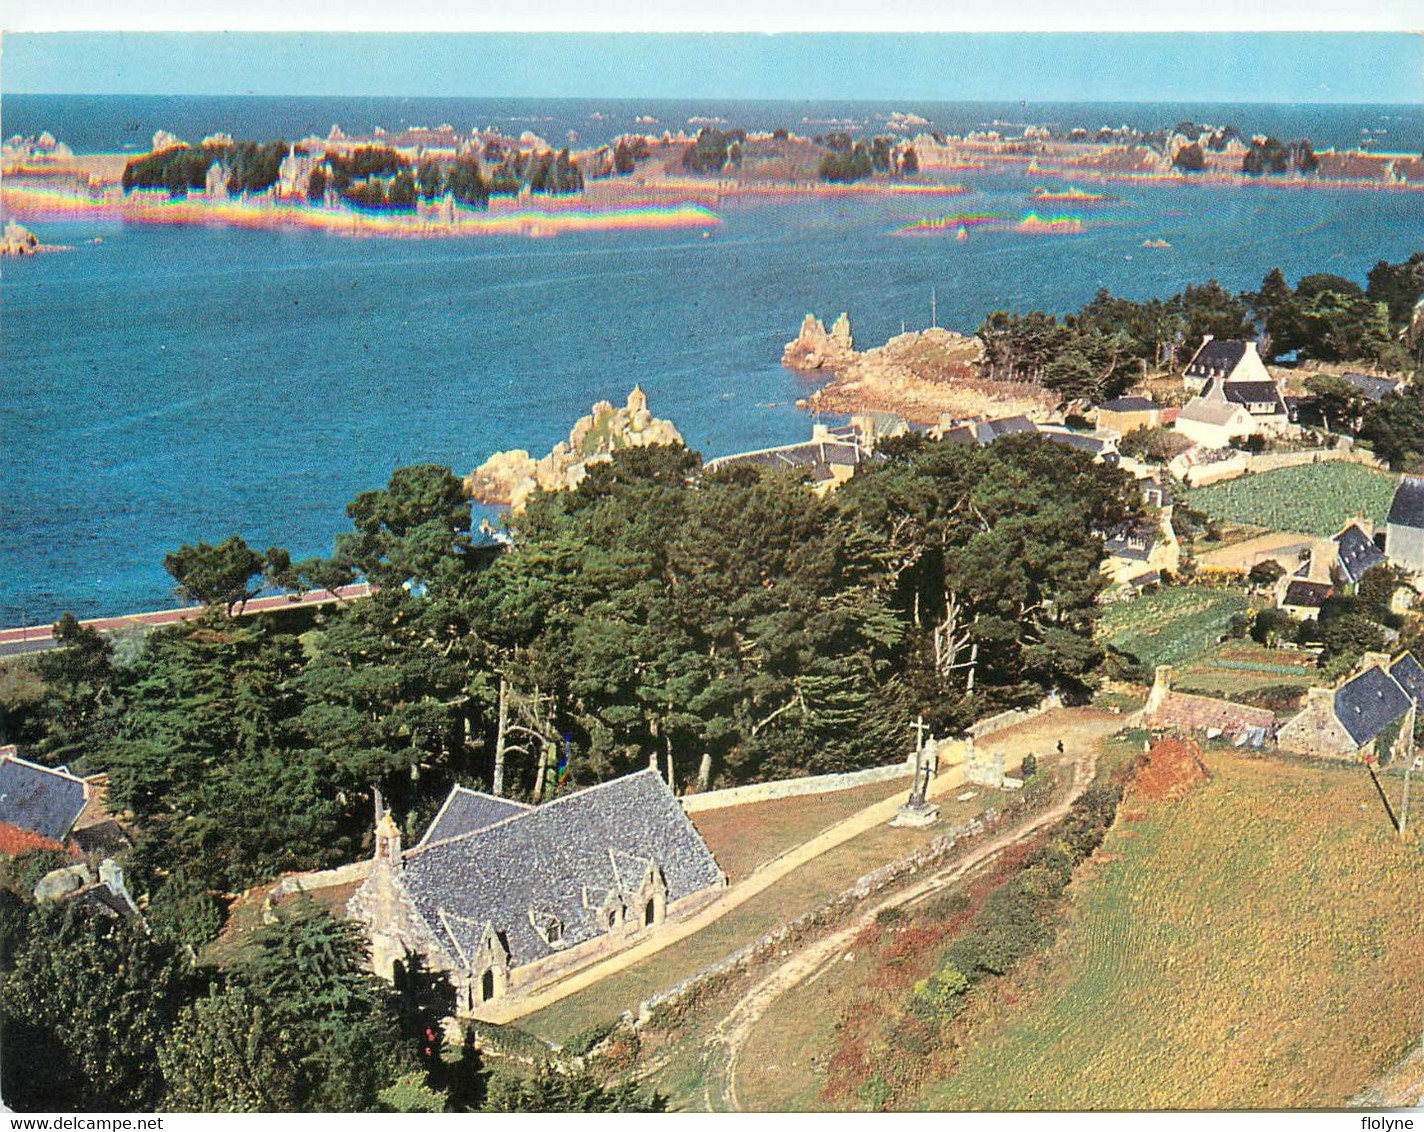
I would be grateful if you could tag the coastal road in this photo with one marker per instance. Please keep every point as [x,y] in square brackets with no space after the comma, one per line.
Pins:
[37,638]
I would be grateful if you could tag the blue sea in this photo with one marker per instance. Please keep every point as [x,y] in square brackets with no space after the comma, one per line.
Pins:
[166,385]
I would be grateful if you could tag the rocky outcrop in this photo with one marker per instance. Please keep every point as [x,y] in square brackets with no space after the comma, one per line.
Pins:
[18,240]
[814,348]
[511,477]
[922,375]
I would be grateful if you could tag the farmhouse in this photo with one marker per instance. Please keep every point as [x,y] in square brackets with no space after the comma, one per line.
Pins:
[1377,706]
[1404,538]
[504,908]
[1228,410]
[1226,360]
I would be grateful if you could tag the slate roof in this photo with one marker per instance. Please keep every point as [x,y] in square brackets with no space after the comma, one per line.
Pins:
[1356,553]
[1133,543]
[960,434]
[1369,703]
[1407,510]
[558,860]
[815,456]
[1374,388]
[1130,405]
[1409,674]
[1250,393]
[1078,440]
[1219,356]
[42,801]
[1307,595]
[990,431]
[469,811]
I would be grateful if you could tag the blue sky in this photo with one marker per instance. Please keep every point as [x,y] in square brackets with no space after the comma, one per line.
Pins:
[1216,67]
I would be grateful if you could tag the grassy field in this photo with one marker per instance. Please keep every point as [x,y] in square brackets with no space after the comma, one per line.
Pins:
[743,837]
[1314,499]
[1235,669]
[1177,625]
[1253,945]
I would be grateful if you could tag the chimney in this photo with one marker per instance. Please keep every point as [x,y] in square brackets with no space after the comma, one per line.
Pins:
[388,843]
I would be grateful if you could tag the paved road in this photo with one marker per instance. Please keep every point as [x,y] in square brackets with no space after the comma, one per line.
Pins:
[36,638]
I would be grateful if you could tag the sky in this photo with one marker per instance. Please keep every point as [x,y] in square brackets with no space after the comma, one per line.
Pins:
[1380,67]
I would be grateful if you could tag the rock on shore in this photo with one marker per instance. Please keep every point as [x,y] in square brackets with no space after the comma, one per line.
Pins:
[509,478]
[814,348]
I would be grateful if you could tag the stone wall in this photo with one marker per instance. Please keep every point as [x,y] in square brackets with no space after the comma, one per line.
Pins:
[793,787]
[315,882]
[1006,719]
[1200,475]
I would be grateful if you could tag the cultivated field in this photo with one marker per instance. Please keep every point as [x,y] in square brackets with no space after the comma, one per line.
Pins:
[1175,626]
[1253,945]
[1314,499]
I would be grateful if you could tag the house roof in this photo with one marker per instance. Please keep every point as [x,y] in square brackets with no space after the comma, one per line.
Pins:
[557,861]
[1135,543]
[1409,675]
[990,431]
[469,811]
[959,434]
[1219,356]
[1407,510]
[817,457]
[1250,393]
[1130,405]
[35,798]
[1078,440]
[1208,412]
[1307,595]
[1374,388]
[1356,553]
[1369,703]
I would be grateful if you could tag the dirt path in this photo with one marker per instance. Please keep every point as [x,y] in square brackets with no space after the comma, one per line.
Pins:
[730,1035]
[1035,736]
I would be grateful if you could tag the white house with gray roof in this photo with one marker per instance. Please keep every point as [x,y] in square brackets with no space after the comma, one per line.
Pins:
[537,892]
[1226,360]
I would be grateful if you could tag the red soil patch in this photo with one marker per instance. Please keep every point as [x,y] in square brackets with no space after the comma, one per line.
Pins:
[1174,768]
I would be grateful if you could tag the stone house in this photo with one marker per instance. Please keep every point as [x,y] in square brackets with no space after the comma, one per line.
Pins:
[1404,534]
[827,460]
[39,805]
[504,908]
[1226,360]
[1229,410]
[1376,705]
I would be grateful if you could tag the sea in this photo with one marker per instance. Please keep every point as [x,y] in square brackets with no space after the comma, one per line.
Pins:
[167,385]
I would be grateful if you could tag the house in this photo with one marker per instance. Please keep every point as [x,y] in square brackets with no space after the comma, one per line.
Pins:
[38,805]
[506,908]
[986,432]
[1223,359]
[1375,707]
[1355,554]
[1213,425]
[1230,410]
[1404,537]
[1302,599]
[1128,414]
[827,459]
[1179,711]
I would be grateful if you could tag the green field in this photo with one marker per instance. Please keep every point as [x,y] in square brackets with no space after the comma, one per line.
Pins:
[1315,499]
[1249,946]
[1176,626]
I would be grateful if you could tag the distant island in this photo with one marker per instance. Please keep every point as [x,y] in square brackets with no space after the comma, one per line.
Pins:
[440,181]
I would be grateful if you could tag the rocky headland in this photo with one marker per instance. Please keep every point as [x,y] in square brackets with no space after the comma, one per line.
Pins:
[509,478]
[921,375]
